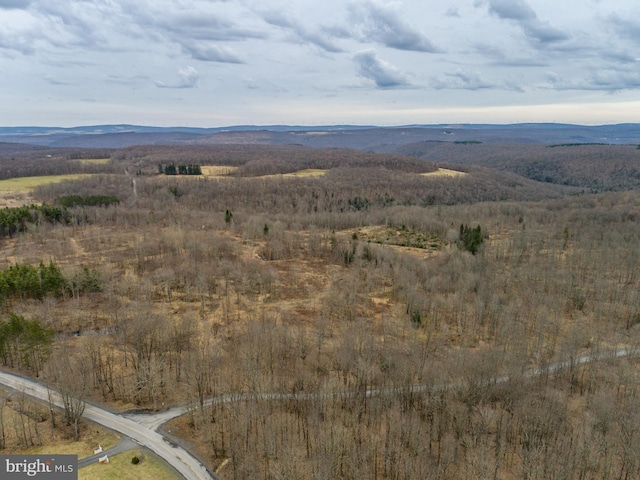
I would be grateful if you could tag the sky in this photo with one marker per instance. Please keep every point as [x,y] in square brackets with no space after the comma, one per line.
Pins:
[214,63]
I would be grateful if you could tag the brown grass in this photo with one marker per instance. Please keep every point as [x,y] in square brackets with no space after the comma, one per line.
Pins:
[13,199]
[309,172]
[444,172]
[94,161]
[217,170]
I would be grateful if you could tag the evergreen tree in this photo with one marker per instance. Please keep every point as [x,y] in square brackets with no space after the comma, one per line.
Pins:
[470,238]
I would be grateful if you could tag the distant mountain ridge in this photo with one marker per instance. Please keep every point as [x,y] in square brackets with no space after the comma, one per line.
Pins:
[362,137]
[127,128]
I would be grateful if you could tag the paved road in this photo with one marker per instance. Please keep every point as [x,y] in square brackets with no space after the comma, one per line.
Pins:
[142,427]
[155,420]
[122,446]
[180,459]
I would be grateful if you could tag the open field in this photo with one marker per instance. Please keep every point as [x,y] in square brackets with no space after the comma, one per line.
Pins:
[309,172]
[26,184]
[222,171]
[217,170]
[12,199]
[83,448]
[93,161]
[16,192]
[444,172]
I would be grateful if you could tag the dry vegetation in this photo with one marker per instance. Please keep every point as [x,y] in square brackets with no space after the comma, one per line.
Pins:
[444,172]
[591,167]
[330,287]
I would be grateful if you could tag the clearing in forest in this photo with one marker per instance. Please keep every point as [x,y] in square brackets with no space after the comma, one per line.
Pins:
[93,161]
[26,184]
[309,172]
[444,172]
[217,170]
[15,192]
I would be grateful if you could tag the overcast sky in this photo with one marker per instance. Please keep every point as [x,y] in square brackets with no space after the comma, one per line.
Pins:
[213,63]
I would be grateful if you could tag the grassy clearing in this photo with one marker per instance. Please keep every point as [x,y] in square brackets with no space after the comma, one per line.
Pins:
[217,170]
[82,448]
[444,172]
[94,161]
[121,468]
[309,172]
[223,171]
[26,184]
[10,199]
[398,237]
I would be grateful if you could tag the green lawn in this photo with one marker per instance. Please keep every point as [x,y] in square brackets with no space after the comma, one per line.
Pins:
[121,468]
[25,184]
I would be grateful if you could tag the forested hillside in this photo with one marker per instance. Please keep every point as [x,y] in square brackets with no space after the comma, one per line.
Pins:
[592,167]
[367,315]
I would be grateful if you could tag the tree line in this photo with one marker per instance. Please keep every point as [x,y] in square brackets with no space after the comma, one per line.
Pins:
[172,169]
[15,220]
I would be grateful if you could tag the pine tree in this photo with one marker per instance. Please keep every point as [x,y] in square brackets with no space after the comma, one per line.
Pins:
[470,238]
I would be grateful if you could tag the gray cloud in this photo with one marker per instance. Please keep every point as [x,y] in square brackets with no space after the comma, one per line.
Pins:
[626,27]
[378,22]
[618,57]
[208,52]
[51,80]
[453,12]
[610,80]
[461,81]
[521,13]
[17,42]
[201,26]
[188,78]
[385,75]
[498,57]
[319,38]
[512,10]
[17,4]
[543,32]
[71,25]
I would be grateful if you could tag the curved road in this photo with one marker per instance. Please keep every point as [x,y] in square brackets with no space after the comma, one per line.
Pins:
[188,466]
[142,427]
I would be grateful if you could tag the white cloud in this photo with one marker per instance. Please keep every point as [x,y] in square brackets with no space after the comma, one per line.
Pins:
[188,78]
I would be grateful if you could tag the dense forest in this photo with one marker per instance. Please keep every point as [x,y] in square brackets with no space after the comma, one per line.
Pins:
[444,314]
